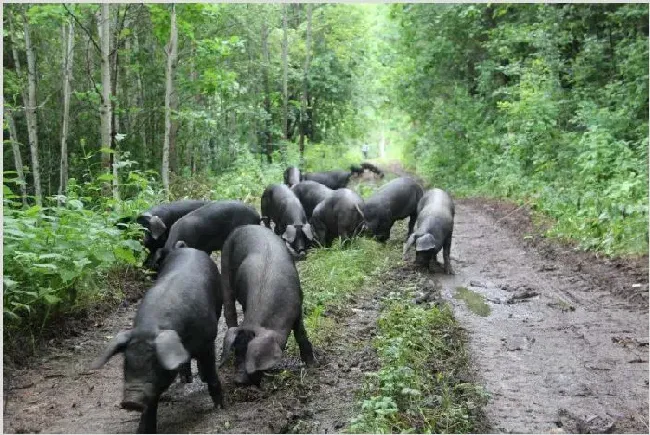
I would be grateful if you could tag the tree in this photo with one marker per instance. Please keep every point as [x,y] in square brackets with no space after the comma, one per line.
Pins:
[305,89]
[285,68]
[68,54]
[105,107]
[169,88]
[30,111]
[267,91]
[15,146]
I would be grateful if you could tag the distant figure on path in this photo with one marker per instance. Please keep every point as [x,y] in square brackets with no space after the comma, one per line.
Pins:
[364,150]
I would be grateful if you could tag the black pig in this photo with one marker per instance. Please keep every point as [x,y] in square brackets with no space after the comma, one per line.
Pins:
[176,321]
[340,214]
[259,273]
[395,200]
[281,205]
[157,221]
[310,193]
[208,227]
[292,176]
[433,228]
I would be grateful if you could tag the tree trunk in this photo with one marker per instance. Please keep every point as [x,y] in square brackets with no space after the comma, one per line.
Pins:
[18,160]
[13,135]
[67,76]
[115,121]
[140,103]
[267,92]
[303,100]
[30,113]
[171,60]
[105,108]
[285,93]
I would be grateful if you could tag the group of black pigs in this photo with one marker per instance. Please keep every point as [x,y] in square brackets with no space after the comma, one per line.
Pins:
[178,317]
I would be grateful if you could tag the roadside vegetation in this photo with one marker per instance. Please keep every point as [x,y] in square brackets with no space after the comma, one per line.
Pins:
[543,104]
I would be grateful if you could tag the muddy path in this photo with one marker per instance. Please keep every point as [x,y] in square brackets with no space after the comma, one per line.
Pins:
[554,346]
[60,394]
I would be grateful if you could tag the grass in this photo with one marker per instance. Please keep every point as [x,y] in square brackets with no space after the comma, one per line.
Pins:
[422,384]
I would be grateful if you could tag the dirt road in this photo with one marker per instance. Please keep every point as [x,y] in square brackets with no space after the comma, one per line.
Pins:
[553,345]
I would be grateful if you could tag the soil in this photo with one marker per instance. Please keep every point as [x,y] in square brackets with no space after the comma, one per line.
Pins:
[562,348]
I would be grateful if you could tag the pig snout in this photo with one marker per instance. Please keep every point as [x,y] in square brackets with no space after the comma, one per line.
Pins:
[134,399]
[241,378]
[244,379]
[298,254]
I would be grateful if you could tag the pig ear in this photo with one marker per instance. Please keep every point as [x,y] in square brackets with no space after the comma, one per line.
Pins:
[228,342]
[157,227]
[180,244]
[170,350]
[425,243]
[307,231]
[408,244]
[263,351]
[117,344]
[289,234]
[144,219]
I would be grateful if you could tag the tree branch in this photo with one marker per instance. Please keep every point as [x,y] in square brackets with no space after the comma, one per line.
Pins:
[90,36]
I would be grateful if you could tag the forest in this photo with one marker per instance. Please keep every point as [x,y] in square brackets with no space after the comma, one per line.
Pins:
[112,109]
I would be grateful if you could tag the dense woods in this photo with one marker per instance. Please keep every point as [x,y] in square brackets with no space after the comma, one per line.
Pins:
[111,108]
[543,102]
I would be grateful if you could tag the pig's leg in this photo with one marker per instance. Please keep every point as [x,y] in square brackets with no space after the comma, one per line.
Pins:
[300,334]
[412,220]
[148,418]
[446,251]
[229,311]
[208,371]
[186,372]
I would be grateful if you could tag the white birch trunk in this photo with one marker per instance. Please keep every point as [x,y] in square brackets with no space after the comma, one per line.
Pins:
[30,113]
[285,92]
[105,108]
[18,160]
[67,77]
[171,60]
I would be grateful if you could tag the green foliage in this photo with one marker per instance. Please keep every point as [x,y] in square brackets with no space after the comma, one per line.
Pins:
[545,104]
[328,156]
[331,275]
[422,355]
[53,254]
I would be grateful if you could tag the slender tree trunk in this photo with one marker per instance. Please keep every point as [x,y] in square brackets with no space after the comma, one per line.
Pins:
[18,160]
[140,104]
[115,121]
[67,76]
[30,113]
[285,93]
[267,92]
[171,60]
[105,108]
[303,100]
[12,122]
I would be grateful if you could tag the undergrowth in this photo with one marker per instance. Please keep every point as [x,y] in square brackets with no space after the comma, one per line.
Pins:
[420,385]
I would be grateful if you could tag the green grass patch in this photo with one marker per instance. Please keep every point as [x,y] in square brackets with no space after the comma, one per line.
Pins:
[475,302]
[330,276]
[420,386]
